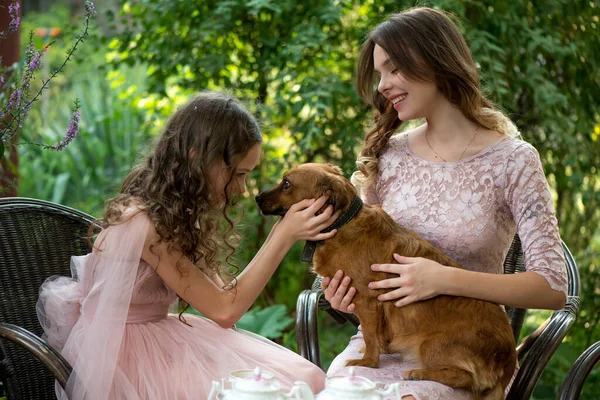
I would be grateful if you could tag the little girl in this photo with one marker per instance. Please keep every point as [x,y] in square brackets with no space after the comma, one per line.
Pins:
[158,242]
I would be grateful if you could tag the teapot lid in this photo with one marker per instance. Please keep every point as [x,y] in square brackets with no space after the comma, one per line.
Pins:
[258,381]
[351,383]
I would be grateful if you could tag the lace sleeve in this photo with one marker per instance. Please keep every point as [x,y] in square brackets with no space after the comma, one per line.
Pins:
[529,199]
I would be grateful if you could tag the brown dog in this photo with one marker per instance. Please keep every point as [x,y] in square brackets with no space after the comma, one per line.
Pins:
[458,341]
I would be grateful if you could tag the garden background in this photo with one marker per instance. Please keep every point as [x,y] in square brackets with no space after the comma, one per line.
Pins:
[293,61]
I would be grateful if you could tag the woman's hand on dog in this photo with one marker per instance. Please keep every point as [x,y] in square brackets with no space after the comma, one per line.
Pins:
[418,279]
[337,293]
[301,222]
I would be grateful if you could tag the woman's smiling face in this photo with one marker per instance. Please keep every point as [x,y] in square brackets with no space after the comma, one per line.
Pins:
[412,99]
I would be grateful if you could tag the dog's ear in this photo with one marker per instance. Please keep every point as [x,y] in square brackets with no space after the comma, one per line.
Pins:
[335,169]
[341,192]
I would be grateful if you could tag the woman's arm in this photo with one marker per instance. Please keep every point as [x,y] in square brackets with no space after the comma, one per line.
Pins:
[226,307]
[421,279]
[522,290]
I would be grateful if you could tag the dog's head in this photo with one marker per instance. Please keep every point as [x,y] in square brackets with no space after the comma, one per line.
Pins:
[308,181]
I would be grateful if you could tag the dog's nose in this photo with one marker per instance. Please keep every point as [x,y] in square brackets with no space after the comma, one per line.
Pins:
[258,197]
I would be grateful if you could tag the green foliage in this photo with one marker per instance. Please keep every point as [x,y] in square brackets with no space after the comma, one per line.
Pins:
[114,131]
[269,322]
[59,17]
[290,58]
[22,80]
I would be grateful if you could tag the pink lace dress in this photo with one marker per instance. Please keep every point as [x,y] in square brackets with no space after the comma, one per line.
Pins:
[111,322]
[471,209]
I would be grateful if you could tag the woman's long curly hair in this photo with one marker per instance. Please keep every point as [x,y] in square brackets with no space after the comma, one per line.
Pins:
[426,45]
[172,186]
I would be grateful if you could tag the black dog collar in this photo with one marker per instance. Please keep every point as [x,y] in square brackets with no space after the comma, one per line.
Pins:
[311,246]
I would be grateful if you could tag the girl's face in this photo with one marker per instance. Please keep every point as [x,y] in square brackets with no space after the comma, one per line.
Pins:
[412,99]
[219,175]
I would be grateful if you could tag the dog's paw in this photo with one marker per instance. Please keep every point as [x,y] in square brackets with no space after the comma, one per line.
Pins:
[363,363]
[414,375]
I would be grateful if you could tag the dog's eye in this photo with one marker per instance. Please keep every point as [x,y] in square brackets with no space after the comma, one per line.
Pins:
[285,185]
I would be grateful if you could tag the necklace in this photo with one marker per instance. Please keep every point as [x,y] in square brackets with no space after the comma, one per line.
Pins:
[462,154]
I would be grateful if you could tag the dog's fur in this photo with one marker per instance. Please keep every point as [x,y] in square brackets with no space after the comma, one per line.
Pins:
[457,341]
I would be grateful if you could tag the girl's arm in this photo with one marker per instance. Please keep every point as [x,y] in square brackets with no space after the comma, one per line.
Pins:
[226,307]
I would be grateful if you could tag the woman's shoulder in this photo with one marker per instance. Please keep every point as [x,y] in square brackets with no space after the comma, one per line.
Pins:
[519,144]
[520,151]
[508,151]
[398,142]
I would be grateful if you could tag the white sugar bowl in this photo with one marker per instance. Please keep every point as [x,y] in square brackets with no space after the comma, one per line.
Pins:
[255,384]
[355,387]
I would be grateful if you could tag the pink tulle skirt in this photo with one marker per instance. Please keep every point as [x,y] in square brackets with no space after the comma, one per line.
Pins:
[168,359]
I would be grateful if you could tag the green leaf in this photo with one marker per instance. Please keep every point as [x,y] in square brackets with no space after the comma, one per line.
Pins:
[60,187]
[269,322]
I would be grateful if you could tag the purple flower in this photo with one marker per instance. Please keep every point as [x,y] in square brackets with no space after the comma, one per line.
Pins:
[14,24]
[13,8]
[15,20]
[13,11]
[15,98]
[71,132]
[36,60]
[90,8]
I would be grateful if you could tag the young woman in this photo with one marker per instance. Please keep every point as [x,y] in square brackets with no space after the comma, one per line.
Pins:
[462,180]
[160,241]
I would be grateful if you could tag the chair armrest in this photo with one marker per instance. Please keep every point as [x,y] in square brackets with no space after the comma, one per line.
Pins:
[307,334]
[524,347]
[50,358]
[540,353]
[571,388]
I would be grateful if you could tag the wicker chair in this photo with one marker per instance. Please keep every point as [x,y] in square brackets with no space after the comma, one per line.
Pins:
[571,388]
[37,240]
[534,352]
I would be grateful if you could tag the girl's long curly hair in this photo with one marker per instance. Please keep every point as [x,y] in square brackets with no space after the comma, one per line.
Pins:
[426,45]
[172,186]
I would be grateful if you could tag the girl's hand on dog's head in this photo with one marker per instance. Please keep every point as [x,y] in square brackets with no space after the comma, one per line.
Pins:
[337,293]
[302,223]
[418,279]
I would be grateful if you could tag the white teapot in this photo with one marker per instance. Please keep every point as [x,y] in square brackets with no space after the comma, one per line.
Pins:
[247,384]
[355,387]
